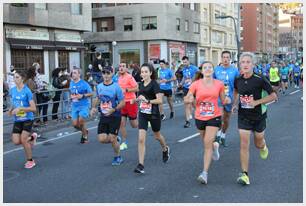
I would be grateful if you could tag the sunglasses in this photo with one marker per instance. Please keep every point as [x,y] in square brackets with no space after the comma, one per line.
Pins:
[106,72]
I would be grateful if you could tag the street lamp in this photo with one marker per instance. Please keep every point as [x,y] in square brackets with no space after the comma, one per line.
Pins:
[114,43]
[236,34]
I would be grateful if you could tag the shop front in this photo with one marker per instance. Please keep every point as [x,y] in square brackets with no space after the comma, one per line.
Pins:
[176,52]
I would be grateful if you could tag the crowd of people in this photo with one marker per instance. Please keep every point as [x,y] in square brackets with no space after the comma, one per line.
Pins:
[212,92]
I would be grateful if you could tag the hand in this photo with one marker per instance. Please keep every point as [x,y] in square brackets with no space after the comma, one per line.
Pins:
[93,111]
[15,111]
[79,96]
[188,99]
[227,100]
[163,81]
[10,112]
[234,109]
[142,98]
[64,82]
[254,103]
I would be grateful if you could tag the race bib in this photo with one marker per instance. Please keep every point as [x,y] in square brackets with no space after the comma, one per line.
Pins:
[245,101]
[284,76]
[207,109]
[74,99]
[296,74]
[188,81]
[226,90]
[105,106]
[145,107]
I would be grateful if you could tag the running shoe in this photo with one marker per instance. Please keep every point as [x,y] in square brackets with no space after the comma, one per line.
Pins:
[33,138]
[29,164]
[84,139]
[243,179]
[264,153]
[117,161]
[171,115]
[202,178]
[218,139]
[119,139]
[166,155]
[187,124]
[163,117]
[223,142]
[215,154]
[139,169]
[123,146]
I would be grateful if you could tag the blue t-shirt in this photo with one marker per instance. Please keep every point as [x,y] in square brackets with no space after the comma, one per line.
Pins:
[21,98]
[265,71]
[188,75]
[110,96]
[284,71]
[227,76]
[296,70]
[81,87]
[165,74]
[115,78]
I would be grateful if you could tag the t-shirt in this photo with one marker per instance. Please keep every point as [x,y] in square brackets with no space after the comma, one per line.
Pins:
[149,92]
[207,99]
[227,76]
[265,71]
[296,70]
[127,81]
[19,99]
[254,88]
[96,64]
[110,96]
[274,74]
[81,87]
[168,75]
[284,71]
[189,73]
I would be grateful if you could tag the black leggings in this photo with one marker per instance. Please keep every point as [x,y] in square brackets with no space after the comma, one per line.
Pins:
[44,108]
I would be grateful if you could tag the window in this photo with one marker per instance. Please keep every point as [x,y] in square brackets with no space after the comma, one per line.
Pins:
[231,39]
[40,6]
[76,9]
[178,24]
[128,24]
[149,23]
[23,59]
[192,6]
[94,26]
[205,35]
[105,24]
[102,5]
[217,37]
[217,21]
[63,59]
[225,39]
[186,25]
[196,27]
[20,5]
[186,5]
[205,13]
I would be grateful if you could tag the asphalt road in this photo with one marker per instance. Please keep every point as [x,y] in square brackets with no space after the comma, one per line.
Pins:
[69,172]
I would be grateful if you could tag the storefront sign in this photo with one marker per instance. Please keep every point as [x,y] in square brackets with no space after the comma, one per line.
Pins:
[34,47]
[177,51]
[67,36]
[154,51]
[26,33]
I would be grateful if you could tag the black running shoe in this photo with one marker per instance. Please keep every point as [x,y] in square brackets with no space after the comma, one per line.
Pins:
[84,140]
[139,169]
[166,155]
[171,115]
[187,124]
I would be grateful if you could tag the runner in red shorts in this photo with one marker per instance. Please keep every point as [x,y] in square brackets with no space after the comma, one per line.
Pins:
[129,86]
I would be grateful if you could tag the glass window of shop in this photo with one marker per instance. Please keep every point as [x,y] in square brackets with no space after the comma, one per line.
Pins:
[24,59]
[63,59]
[130,56]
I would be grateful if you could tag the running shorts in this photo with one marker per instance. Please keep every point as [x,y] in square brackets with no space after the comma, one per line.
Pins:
[215,122]
[143,120]
[167,93]
[130,110]
[22,126]
[246,124]
[109,125]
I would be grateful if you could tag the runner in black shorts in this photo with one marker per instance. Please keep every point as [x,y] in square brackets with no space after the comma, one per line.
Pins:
[253,92]
[111,99]
[149,98]
[23,108]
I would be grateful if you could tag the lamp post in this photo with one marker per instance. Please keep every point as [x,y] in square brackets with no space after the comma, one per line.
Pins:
[236,34]
[114,43]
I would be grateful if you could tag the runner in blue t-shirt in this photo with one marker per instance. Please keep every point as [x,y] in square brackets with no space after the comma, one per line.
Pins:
[79,93]
[284,72]
[111,101]
[165,81]
[227,74]
[296,75]
[22,108]
[189,72]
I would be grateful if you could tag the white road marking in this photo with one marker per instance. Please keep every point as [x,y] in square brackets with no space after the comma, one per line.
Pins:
[189,137]
[295,92]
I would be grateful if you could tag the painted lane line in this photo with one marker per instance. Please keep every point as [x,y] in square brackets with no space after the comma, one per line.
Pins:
[189,137]
[295,92]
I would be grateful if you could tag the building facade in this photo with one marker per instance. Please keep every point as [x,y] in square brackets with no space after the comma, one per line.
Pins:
[145,32]
[46,33]
[217,35]
[260,31]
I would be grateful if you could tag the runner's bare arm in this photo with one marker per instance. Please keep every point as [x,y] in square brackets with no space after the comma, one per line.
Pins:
[158,100]
[189,98]
[265,100]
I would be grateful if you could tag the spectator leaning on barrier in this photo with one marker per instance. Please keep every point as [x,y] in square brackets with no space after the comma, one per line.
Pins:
[66,96]
[41,97]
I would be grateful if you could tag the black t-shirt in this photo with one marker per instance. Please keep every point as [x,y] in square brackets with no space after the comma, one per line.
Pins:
[149,92]
[96,63]
[256,87]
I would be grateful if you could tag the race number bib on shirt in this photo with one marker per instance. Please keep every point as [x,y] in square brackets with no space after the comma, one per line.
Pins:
[226,90]
[105,107]
[296,74]
[284,76]
[145,107]
[207,109]
[188,81]
[245,101]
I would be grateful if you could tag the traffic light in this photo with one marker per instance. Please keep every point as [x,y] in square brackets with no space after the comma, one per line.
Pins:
[93,48]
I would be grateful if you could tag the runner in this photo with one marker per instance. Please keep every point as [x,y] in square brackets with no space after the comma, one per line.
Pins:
[284,71]
[149,98]
[110,97]
[206,92]
[129,86]
[251,91]
[79,93]
[274,77]
[189,72]
[227,74]
[296,75]
[23,107]
[165,78]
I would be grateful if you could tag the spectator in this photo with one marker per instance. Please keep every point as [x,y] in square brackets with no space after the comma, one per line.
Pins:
[98,64]
[66,100]
[136,72]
